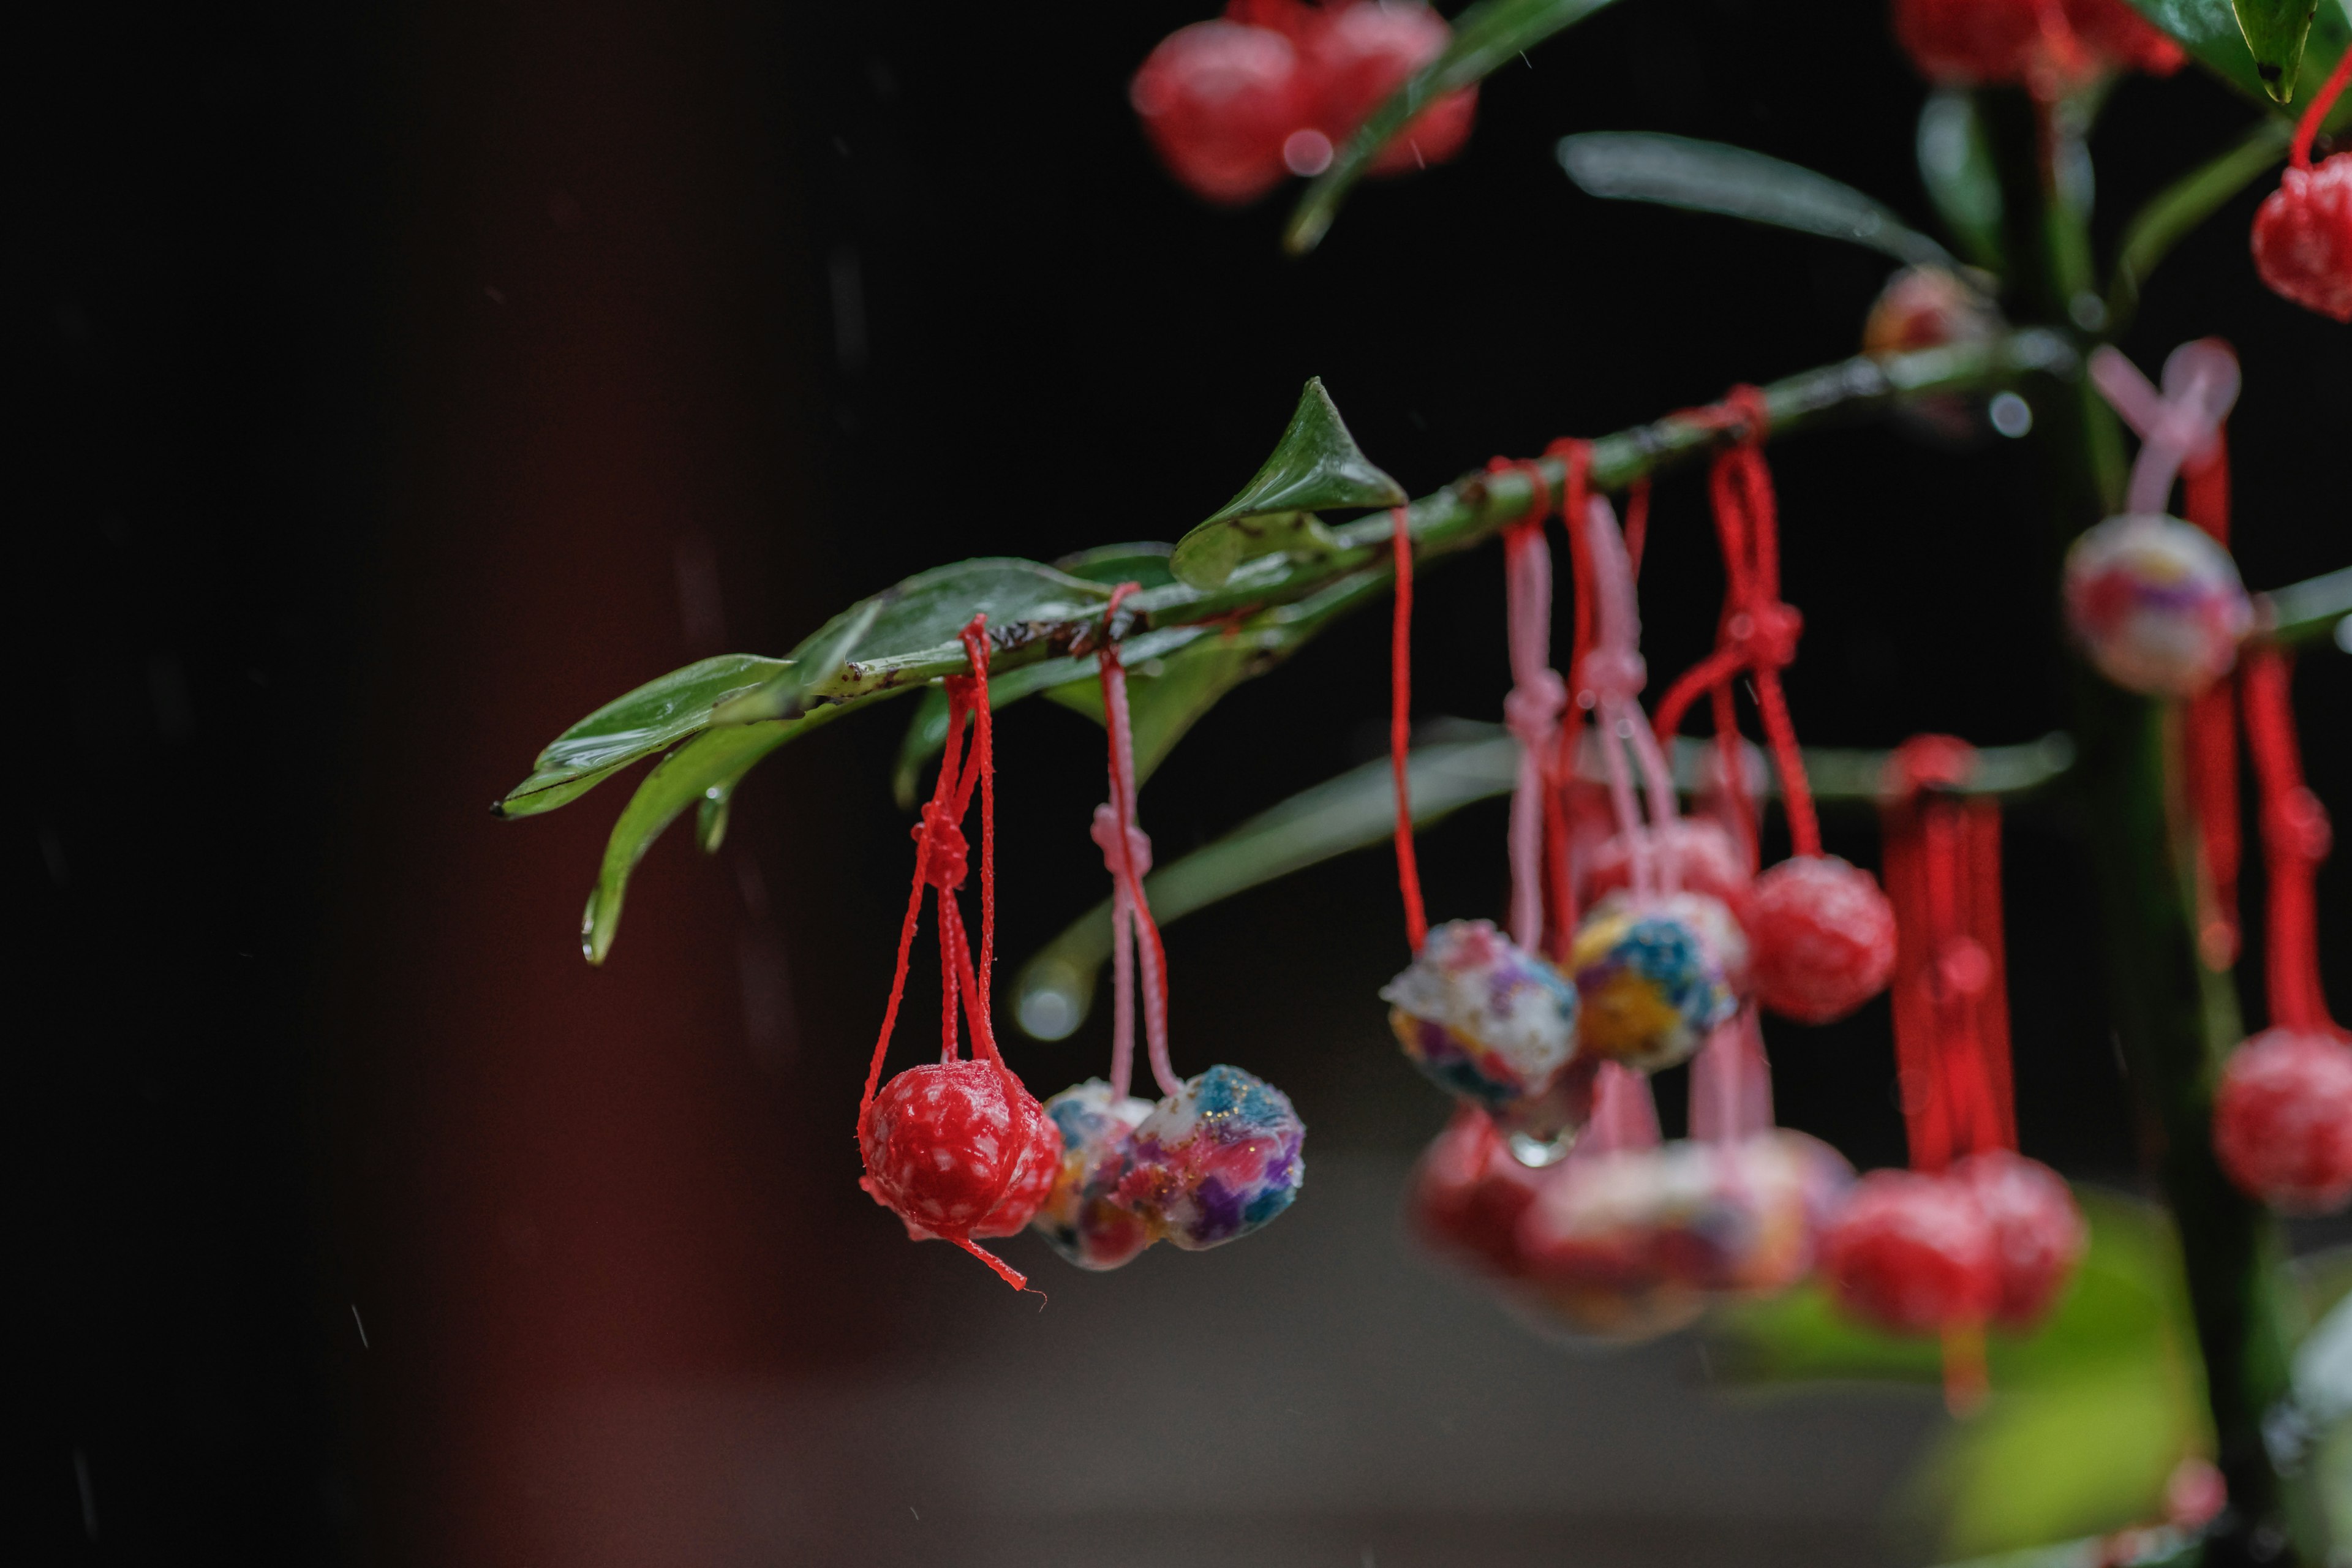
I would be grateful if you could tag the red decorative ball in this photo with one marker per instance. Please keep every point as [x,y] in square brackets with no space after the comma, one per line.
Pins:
[2037,1231]
[1364,52]
[1218,100]
[1820,938]
[2283,1121]
[2302,237]
[1913,1253]
[1703,855]
[1467,1194]
[1980,43]
[959,1150]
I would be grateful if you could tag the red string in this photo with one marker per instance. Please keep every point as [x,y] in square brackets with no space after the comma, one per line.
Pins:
[2296,839]
[1950,992]
[2209,742]
[1637,521]
[2307,130]
[1757,632]
[1416,917]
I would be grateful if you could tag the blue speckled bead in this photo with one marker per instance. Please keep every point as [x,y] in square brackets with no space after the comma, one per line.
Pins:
[1481,1016]
[1214,1161]
[1655,977]
[1082,1217]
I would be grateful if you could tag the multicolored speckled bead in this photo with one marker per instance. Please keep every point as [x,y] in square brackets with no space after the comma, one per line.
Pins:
[2157,604]
[1481,1016]
[1214,1161]
[1082,1217]
[1654,977]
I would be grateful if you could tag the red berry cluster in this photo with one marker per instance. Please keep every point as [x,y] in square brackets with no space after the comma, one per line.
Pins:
[1274,86]
[2047,45]
[2303,235]
[1991,1239]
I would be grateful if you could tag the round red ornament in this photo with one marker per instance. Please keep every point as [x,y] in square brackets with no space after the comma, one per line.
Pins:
[1913,1253]
[1218,100]
[1468,1193]
[2038,1233]
[1820,938]
[1364,52]
[959,1150]
[2047,44]
[2302,237]
[2283,1121]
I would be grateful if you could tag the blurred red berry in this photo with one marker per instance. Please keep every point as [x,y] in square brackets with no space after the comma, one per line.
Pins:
[1704,856]
[1912,1253]
[1467,1194]
[2283,1121]
[2047,45]
[1928,308]
[1364,51]
[2037,1232]
[959,1149]
[1218,100]
[1820,938]
[2302,237]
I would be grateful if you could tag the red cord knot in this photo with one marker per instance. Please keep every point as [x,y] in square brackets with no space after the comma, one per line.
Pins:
[1105,834]
[1608,672]
[944,856]
[2301,823]
[1963,969]
[1766,636]
[1928,763]
[1532,709]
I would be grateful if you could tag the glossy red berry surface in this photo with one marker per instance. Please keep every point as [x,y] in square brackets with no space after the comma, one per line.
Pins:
[1704,856]
[1218,100]
[2302,237]
[1468,1193]
[1912,1253]
[959,1149]
[1820,938]
[1364,52]
[2038,1233]
[2283,1121]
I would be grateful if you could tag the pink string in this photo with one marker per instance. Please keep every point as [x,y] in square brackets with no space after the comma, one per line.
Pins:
[1126,855]
[2177,426]
[1532,714]
[1612,674]
[1624,1113]
[1731,1082]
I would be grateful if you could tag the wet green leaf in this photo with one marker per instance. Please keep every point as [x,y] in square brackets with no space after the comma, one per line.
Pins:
[1956,166]
[2274,31]
[653,718]
[1487,36]
[919,617]
[1316,466]
[1709,176]
[705,769]
[2212,32]
[1144,563]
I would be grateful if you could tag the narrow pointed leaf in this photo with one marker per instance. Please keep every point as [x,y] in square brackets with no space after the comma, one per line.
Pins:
[2311,610]
[1487,36]
[918,617]
[715,760]
[1956,166]
[2172,213]
[1316,466]
[1709,176]
[2274,32]
[653,718]
[1144,563]
[2210,31]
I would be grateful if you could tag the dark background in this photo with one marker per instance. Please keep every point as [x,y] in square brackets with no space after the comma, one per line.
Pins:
[398,384]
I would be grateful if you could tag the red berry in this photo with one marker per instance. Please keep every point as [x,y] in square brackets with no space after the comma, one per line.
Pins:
[1366,50]
[1928,307]
[1467,1195]
[2302,237]
[2037,1231]
[959,1150]
[1912,1253]
[1218,99]
[2123,38]
[1704,856]
[2283,1121]
[1820,938]
[2046,44]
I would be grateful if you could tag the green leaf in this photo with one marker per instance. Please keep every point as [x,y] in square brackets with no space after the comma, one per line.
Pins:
[2180,206]
[1144,563]
[1709,176]
[1956,166]
[1487,36]
[917,619]
[2210,30]
[1316,466]
[2310,610]
[706,768]
[653,718]
[2274,31]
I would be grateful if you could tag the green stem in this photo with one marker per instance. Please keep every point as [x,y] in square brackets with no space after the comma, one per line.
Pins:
[2180,206]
